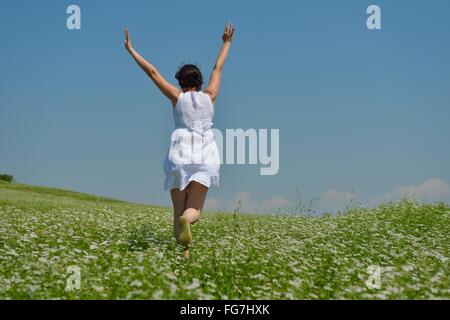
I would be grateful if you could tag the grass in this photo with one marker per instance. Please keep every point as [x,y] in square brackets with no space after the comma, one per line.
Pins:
[127,251]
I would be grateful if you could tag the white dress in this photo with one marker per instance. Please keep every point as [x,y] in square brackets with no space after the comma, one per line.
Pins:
[193,154]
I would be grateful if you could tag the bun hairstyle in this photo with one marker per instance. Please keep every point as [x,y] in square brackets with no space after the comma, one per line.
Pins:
[189,76]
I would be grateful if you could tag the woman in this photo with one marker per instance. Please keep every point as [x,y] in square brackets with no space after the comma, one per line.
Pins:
[192,163]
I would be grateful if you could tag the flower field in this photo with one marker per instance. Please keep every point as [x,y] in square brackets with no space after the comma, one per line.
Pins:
[57,244]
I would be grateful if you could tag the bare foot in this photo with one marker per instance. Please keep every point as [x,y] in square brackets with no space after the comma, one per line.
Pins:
[186,253]
[185,236]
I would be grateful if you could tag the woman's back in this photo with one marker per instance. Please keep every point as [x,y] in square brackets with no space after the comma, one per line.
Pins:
[194,110]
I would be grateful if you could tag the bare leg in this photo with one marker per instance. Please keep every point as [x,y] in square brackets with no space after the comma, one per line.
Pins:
[188,205]
[179,205]
[195,200]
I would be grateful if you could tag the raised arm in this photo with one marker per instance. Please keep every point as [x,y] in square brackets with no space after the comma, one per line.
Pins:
[169,90]
[214,82]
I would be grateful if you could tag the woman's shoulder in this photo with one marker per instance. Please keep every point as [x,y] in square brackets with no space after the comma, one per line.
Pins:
[206,96]
[186,97]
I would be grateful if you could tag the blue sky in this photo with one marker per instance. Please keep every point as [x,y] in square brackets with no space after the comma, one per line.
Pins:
[357,110]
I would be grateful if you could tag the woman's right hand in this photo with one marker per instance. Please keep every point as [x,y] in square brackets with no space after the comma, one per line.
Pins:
[228,32]
[128,44]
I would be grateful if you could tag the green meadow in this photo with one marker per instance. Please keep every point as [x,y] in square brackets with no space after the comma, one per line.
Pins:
[58,244]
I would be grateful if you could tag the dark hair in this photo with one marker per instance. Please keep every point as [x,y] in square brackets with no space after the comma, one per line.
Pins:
[189,76]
